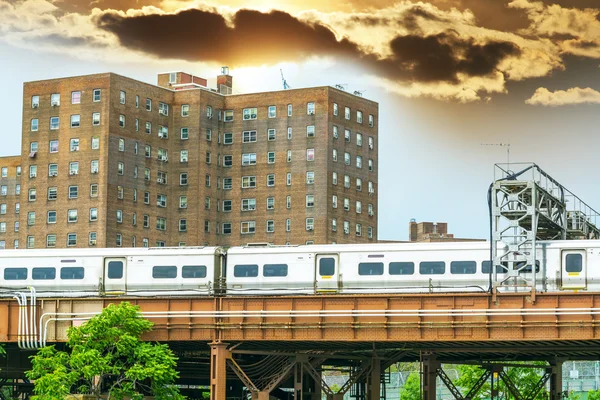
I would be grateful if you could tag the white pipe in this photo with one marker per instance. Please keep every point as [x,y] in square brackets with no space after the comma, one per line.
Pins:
[26,341]
[71,316]
[33,315]
[19,324]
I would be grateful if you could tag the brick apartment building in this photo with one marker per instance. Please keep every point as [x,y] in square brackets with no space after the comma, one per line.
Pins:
[109,161]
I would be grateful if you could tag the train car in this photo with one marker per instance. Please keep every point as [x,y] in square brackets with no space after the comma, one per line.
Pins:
[112,271]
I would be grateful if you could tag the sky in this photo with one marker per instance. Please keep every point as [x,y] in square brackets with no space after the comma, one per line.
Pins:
[453,79]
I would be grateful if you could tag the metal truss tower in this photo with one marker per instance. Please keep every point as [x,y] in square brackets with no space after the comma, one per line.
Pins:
[528,205]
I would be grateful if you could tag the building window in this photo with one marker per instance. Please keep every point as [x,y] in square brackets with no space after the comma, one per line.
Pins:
[359,117]
[288,202]
[71,216]
[52,193]
[249,113]
[122,97]
[208,157]
[248,182]
[163,132]
[148,104]
[288,179]
[74,145]
[2,227]
[371,120]
[347,158]
[120,168]
[334,201]
[121,145]
[149,127]
[182,225]
[163,109]
[75,97]
[96,95]
[96,120]
[93,214]
[17,189]
[248,227]
[358,184]
[4,172]
[94,190]
[228,115]
[226,228]
[207,203]
[183,156]
[34,125]
[183,201]
[207,180]
[335,109]
[74,168]
[248,204]
[119,240]
[346,227]
[310,200]
[228,138]
[120,192]
[370,232]
[163,155]
[51,240]
[122,121]
[310,131]
[71,239]
[51,217]
[270,203]
[227,205]
[289,133]
[35,101]
[75,121]
[358,207]
[31,218]
[30,242]
[55,99]
[347,113]
[148,151]
[147,174]
[371,143]
[289,110]
[54,123]
[334,178]
[271,180]
[4,189]
[248,137]
[310,177]
[271,157]
[272,111]
[145,242]
[134,193]
[371,188]
[271,134]
[227,183]
[32,171]
[358,229]
[288,225]
[358,162]
[227,160]
[73,192]
[16,227]
[183,179]
[32,194]
[310,224]
[249,159]
[95,143]
[33,147]
[310,154]
[137,101]
[185,110]
[161,224]
[146,221]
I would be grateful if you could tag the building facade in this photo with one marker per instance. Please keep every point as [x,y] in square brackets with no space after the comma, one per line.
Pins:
[109,161]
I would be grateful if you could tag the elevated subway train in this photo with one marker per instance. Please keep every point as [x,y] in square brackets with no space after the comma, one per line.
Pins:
[287,270]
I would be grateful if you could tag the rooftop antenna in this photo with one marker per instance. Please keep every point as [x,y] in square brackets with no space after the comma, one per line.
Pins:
[507,145]
[359,92]
[285,84]
[341,86]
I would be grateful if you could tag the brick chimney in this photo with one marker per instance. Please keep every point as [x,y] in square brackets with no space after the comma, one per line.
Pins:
[224,81]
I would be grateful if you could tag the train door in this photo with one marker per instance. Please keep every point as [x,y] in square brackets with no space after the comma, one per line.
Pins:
[573,269]
[327,273]
[115,275]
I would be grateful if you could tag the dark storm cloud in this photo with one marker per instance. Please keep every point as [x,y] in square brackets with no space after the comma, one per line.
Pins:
[267,38]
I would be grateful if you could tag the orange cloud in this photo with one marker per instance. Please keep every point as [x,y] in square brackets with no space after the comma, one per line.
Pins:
[544,97]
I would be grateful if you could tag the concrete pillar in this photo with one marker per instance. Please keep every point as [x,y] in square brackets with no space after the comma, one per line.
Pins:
[429,366]
[556,380]
[374,389]
[298,381]
[218,370]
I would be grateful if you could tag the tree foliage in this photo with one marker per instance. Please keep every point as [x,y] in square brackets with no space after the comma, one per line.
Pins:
[524,379]
[107,353]
[594,395]
[412,388]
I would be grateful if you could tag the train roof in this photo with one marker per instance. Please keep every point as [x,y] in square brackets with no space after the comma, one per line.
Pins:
[109,252]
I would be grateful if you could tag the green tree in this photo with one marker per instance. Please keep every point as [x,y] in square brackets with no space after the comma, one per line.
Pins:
[594,395]
[412,387]
[107,352]
[524,378]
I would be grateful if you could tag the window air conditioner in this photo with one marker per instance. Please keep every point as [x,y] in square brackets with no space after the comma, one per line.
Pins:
[209,115]
[370,213]
[53,173]
[92,242]
[309,228]
[75,148]
[73,172]
[370,147]
[160,135]
[35,106]
[55,103]
[94,171]
[371,124]
[32,175]
[160,180]
[311,113]
[371,191]
[253,116]
[347,231]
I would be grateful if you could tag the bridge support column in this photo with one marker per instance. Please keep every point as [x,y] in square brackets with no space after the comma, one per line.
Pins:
[556,380]
[429,368]
[299,380]
[218,370]
[262,395]
[374,382]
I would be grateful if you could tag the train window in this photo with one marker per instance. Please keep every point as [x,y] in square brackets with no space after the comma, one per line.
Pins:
[463,267]
[402,268]
[15,274]
[370,269]
[485,268]
[193,271]
[164,272]
[528,267]
[275,270]
[432,268]
[245,271]
[115,270]
[574,263]
[72,273]
[327,266]
[43,273]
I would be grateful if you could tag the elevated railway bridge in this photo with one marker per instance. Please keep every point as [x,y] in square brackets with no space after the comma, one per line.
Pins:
[259,345]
